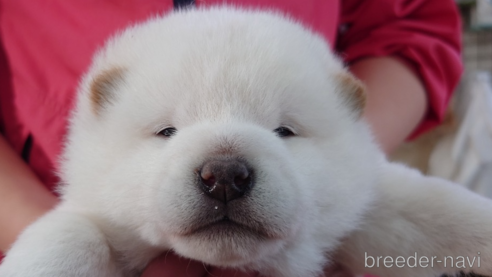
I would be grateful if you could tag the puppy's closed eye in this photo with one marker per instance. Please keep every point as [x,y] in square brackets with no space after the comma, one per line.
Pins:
[167,132]
[284,132]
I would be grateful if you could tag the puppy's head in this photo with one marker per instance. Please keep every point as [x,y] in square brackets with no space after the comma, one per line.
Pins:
[225,135]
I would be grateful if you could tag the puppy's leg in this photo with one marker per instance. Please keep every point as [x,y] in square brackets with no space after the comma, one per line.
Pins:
[422,226]
[60,244]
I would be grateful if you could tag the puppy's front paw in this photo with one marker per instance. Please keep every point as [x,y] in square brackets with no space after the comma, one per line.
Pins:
[60,244]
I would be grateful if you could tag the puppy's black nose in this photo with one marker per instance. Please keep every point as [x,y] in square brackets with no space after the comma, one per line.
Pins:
[225,179]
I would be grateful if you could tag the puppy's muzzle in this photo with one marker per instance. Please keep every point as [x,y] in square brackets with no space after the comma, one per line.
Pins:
[225,179]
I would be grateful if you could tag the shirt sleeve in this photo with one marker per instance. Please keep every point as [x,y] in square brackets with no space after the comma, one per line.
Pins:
[424,34]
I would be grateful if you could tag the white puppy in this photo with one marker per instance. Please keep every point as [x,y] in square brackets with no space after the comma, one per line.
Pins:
[234,138]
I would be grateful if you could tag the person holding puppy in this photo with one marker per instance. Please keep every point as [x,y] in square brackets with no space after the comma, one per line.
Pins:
[406,52]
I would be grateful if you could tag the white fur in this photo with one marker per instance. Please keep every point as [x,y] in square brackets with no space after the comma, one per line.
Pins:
[226,78]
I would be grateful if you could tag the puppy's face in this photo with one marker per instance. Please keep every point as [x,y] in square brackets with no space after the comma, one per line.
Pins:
[222,139]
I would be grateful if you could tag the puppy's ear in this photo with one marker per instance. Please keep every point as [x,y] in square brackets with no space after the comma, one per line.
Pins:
[103,87]
[421,226]
[353,91]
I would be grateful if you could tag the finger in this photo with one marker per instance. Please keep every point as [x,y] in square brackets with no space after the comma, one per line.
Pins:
[171,265]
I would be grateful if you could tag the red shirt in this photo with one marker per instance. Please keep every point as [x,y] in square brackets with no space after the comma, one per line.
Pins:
[47,46]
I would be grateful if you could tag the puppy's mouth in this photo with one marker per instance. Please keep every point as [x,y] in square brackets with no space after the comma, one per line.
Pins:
[223,223]
[227,227]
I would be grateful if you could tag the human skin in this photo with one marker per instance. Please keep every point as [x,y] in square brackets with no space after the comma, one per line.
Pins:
[396,103]
[23,198]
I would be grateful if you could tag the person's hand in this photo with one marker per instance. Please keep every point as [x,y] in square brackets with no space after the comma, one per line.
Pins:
[170,265]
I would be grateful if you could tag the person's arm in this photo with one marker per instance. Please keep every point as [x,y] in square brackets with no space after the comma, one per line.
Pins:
[22,196]
[397,48]
[396,100]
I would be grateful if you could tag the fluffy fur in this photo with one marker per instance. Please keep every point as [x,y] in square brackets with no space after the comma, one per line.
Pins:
[225,79]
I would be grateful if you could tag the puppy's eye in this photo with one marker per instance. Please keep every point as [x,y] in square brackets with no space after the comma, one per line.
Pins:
[168,132]
[284,132]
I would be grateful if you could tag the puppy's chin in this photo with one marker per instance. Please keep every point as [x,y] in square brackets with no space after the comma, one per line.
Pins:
[226,244]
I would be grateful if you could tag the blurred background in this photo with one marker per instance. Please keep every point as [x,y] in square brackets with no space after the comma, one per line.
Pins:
[461,148]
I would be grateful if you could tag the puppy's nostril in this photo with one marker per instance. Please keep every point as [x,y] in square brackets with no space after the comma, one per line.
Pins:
[242,181]
[225,179]
[208,178]
[242,173]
